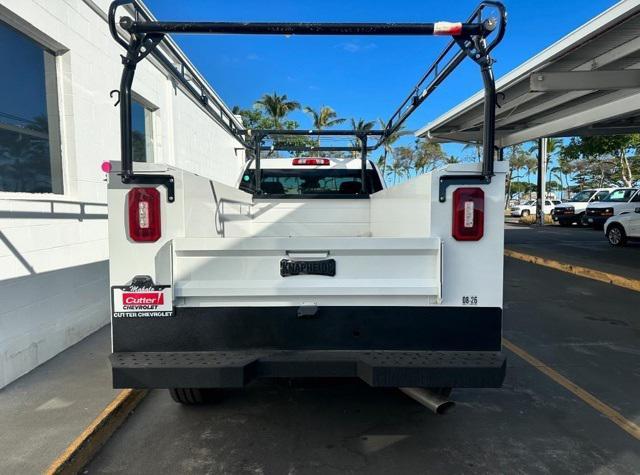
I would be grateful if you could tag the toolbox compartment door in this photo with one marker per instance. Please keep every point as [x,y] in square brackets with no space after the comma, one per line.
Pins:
[368,270]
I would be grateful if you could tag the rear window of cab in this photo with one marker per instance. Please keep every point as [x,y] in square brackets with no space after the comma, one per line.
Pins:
[312,182]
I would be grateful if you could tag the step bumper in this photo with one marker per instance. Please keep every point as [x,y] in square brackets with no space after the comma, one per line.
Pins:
[232,369]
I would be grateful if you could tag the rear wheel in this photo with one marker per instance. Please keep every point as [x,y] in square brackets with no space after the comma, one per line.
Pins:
[616,235]
[195,396]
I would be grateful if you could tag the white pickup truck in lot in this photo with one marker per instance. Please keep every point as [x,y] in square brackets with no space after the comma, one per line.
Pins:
[308,267]
[618,201]
[529,208]
[572,211]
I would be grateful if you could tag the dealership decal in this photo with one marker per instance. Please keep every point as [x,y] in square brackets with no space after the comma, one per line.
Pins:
[146,301]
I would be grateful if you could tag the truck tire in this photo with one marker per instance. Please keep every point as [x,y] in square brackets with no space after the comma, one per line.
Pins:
[195,396]
[616,235]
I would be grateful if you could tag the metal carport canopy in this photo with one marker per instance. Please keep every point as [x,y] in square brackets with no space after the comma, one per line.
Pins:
[587,83]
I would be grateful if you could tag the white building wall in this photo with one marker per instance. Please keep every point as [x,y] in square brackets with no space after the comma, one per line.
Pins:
[53,249]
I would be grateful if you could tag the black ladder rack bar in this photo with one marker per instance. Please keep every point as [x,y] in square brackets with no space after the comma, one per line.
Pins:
[315,29]
[313,148]
[311,132]
[476,38]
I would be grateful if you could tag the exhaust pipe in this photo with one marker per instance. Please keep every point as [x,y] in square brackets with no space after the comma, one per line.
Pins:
[432,401]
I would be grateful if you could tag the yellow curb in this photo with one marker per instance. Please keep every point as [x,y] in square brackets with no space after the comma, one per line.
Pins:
[631,284]
[607,411]
[87,444]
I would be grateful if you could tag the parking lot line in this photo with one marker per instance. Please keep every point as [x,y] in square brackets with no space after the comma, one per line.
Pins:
[85,446]
[631,284]
[613,415]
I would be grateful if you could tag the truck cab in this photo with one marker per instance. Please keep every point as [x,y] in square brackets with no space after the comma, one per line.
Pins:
[312,177]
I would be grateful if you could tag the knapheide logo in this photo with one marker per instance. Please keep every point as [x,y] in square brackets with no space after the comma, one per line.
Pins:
[139,298]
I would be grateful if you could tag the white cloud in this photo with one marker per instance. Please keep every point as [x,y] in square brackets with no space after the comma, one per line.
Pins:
[356,46]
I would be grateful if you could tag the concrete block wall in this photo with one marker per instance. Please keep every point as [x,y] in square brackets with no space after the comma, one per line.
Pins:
[53,250]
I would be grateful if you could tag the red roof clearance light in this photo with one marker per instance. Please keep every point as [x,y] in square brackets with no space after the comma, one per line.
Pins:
[311,161]
[468,214]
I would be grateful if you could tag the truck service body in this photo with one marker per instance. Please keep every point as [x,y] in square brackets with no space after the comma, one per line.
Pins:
[309,267]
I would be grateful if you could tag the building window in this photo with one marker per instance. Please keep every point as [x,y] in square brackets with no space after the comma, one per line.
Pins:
[142,130]
[30,158]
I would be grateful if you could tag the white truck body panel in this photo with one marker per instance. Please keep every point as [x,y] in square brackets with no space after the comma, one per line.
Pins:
[221,247]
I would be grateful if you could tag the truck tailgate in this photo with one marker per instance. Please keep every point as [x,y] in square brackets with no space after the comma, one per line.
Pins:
[208,270]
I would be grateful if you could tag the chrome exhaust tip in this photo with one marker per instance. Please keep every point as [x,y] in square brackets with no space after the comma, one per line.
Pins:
[434,402]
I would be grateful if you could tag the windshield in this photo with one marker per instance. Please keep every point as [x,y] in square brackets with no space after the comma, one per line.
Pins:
[311,182]
[583,196]
[620,196]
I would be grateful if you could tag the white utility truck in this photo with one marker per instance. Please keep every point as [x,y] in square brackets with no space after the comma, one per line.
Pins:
[618,201]
[308,267]
[572,211]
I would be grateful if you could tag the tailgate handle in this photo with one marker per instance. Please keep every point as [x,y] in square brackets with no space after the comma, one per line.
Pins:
[307,254]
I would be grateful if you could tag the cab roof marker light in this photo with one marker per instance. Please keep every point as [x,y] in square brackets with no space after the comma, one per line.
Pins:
[311,161]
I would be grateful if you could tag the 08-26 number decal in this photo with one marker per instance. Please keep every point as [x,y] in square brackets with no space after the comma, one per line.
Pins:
[470,300]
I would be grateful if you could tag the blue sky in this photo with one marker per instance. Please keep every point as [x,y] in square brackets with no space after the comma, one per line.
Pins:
[364,77]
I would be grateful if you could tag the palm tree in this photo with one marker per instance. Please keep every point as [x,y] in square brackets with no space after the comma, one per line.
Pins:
[360,126]
[389,142]
[325,117]
[277,107]
[554,145]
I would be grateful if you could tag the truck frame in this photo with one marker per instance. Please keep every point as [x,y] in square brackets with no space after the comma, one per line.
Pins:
[197,306]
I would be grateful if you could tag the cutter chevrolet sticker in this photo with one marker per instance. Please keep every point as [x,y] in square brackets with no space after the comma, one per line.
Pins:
[149,301]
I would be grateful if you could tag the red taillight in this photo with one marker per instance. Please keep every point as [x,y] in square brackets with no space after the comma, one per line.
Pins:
[468,214]
[144,214]
[311,161]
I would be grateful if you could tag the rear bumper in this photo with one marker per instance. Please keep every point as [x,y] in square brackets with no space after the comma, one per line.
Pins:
[226,369]
[384,346]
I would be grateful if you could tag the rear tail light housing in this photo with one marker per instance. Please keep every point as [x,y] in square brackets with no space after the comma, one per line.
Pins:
[144,214]
[468,214]
[311,161]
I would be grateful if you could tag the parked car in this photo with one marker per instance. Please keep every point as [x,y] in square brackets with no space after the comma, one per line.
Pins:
[624,227]
[617,202]
[572,211]
[529,207]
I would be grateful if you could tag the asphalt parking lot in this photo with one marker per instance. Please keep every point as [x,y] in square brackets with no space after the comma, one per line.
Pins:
[575,245]
[587,331]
